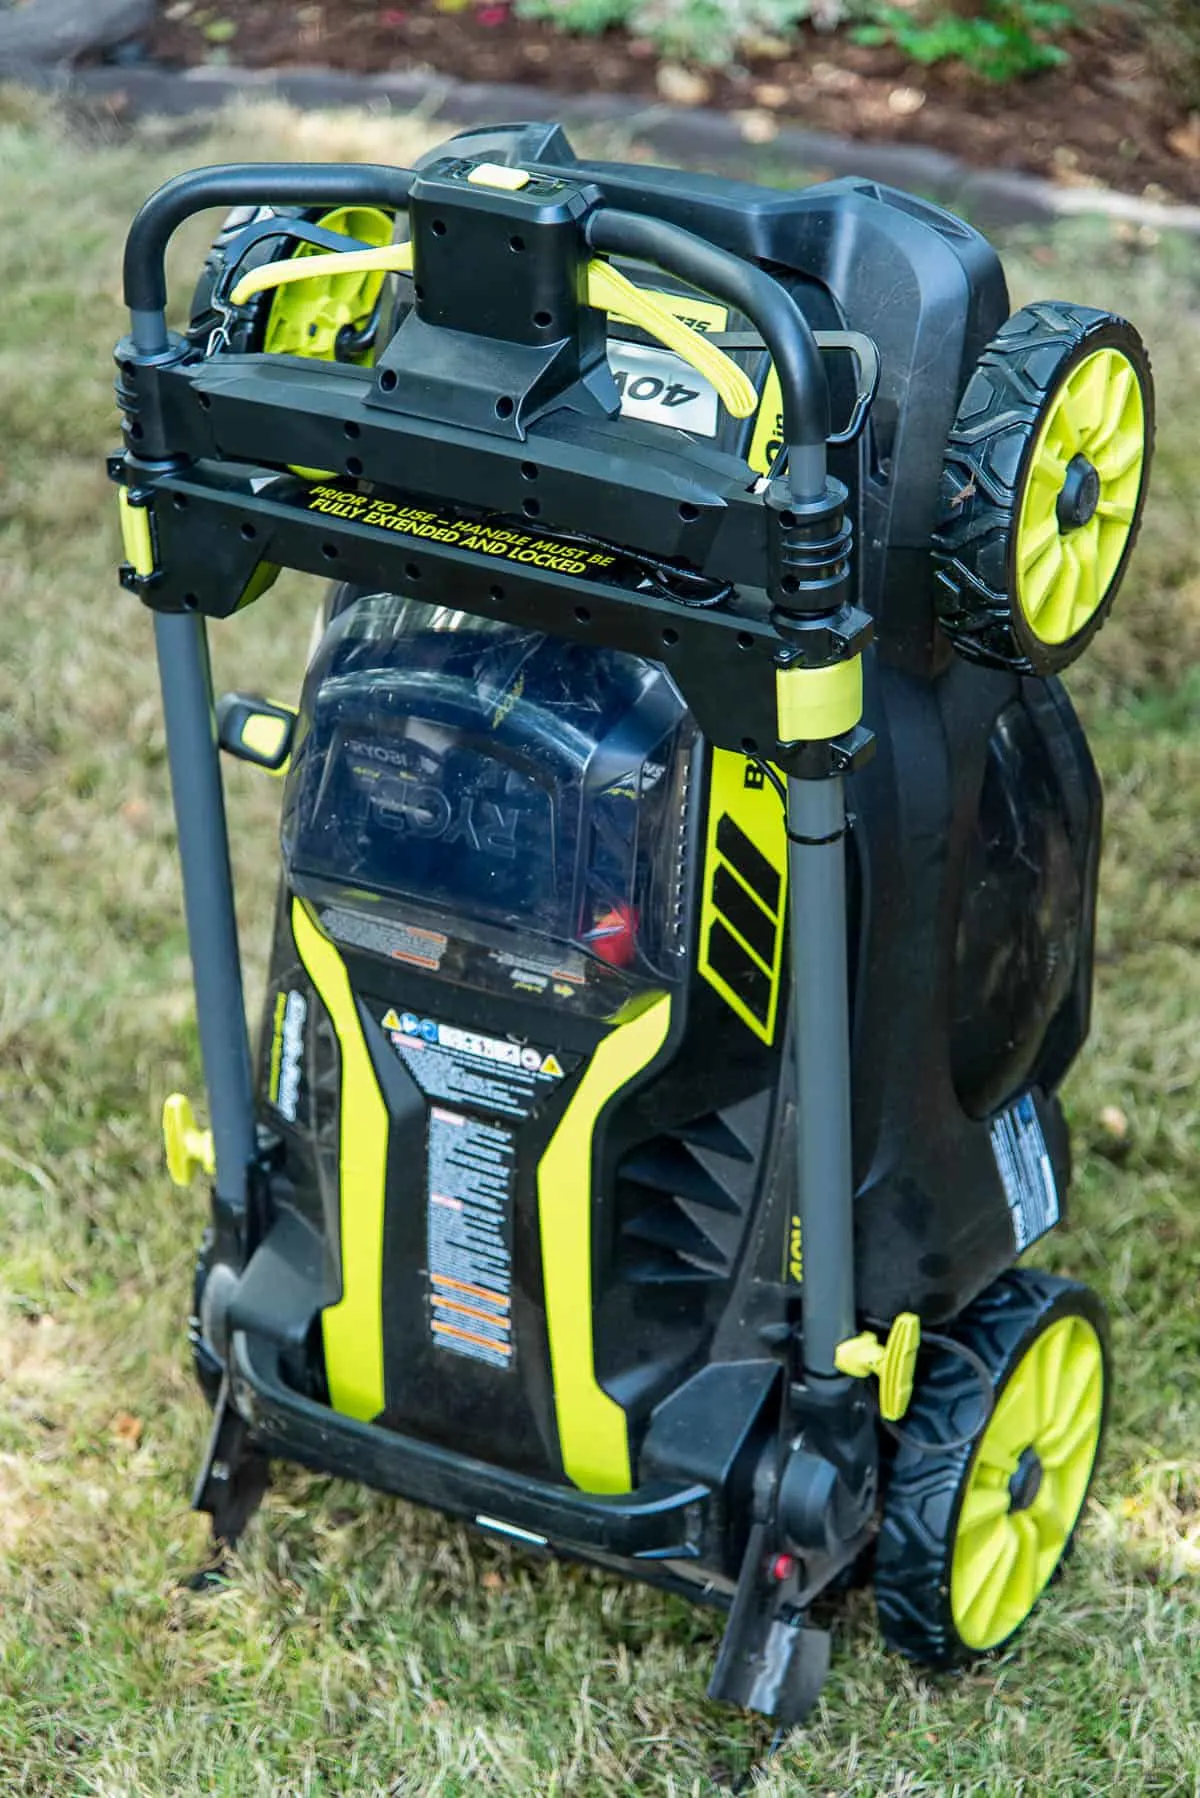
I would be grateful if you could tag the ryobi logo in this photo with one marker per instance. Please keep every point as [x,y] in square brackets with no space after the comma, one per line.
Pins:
[480,825]
[289,1054]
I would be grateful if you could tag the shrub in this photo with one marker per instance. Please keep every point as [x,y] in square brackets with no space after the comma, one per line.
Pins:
[1000,40]
[707,31]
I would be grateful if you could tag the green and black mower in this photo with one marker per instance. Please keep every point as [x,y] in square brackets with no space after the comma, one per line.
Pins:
[689,866]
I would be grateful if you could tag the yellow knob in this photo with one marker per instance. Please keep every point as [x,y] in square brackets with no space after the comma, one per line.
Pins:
[895,1362]
[189,1149]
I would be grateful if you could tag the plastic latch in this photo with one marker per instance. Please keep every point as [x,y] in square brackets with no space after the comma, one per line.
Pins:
[495,174]
[189,1149]
[893,1362]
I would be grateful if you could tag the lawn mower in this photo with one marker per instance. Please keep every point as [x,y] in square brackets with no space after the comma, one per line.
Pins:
[689,864]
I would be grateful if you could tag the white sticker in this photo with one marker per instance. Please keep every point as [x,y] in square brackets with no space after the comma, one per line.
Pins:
[661,387]
[291,1056]
[1026,1172]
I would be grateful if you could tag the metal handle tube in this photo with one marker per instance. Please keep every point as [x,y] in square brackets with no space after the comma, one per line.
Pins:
[193,756]
[785,330]
[236,184]
[820,995]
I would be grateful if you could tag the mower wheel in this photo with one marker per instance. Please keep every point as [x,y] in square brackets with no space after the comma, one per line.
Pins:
[972,1533]
[1043,486]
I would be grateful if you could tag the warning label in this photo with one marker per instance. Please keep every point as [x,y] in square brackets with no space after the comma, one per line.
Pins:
[489,1073]
[505,543]
[470,1236]
[402,942]
[1026,1172]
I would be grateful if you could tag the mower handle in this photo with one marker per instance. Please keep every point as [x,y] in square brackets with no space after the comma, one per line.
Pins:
[236,184]
[786,332]
[804,389]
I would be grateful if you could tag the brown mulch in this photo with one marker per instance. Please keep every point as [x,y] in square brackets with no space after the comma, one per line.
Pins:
[1105,119]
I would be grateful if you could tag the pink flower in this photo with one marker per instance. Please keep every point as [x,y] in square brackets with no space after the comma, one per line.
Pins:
[392,15]
[492,15]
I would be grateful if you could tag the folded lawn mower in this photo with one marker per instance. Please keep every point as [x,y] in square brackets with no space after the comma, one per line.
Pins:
[688,867]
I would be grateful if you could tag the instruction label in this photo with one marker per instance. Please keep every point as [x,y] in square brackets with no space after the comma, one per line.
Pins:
[505,543]
[489,1073]
[386,936]
[1026,1172]
[470,1236]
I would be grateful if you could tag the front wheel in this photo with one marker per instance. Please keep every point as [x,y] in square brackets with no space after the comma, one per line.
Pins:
[972,1533]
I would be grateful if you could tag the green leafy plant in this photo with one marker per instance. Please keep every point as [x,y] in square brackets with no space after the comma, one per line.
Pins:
[1006,40]
[697,31]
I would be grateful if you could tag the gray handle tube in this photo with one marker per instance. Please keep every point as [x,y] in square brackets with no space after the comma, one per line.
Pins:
[820,996]
[193,756]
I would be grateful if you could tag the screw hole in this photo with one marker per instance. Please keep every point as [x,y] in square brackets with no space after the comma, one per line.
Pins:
[529,470]
[583,615]
[516,245]
[438,227]
[543,320]
[412,571]
[388,380]
[496,592]
[504,407]
[531,507]
[329,551]
[249,532]
[790,584]
[787,520]
[179,501]
[203,401]
[688,512]
[745,640]
[351,429]
[750,745]
[670,636]
[191,602]
[354,466]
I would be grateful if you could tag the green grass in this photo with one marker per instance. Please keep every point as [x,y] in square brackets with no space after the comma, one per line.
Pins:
[365,1647]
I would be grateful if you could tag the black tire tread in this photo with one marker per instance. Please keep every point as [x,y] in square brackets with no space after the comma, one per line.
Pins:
[982,481]
[924,1490]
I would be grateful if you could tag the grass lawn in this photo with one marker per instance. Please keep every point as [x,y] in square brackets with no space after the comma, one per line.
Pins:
[362,1646]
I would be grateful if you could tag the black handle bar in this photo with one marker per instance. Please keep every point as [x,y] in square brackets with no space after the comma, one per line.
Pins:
[785,330]
[237,184]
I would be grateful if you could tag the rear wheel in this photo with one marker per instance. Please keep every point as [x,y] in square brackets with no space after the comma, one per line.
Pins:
[973,1532]
[1043,487]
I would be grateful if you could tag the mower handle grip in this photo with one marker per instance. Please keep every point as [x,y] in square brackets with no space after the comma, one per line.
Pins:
[786,332]
[803,386]
[236,184]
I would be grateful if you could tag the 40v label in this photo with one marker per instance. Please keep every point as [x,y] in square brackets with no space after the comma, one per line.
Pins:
[662,388]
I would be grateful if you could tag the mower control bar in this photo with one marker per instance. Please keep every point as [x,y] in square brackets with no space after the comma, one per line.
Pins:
[236,184]
[785,330]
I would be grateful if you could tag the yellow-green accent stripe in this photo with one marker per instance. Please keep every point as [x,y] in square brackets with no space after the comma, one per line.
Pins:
[815,704]
[353,1328]
[592,1431]
[136,535]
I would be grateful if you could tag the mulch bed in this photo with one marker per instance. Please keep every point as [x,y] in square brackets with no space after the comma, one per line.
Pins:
[1105,119]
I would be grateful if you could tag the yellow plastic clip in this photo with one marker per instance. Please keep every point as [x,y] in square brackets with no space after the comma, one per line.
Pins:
[135,535]
[189,1149]
[390,259]
[894,1362]
[610,291]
